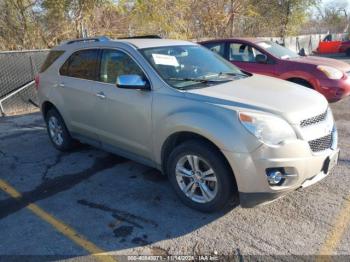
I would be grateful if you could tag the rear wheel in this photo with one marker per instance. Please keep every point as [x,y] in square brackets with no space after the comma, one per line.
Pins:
[58,132]
[200,176]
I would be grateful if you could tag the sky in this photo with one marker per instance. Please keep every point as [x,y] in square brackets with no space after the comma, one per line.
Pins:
[342,2]
[345,3]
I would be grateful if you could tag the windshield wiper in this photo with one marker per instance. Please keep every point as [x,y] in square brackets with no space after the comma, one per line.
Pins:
[199,80]
[231,74]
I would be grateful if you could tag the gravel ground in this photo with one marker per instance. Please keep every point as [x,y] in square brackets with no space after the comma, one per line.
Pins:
[127,208]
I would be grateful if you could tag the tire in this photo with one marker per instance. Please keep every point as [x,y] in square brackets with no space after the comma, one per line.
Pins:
[222,192]
[58,132]
[348,52]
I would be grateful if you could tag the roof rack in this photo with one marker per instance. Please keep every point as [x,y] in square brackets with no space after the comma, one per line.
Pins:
[142,36]
[87,39]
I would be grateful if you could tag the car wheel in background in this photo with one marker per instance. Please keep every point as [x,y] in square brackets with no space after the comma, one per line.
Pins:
[301,82]
[348,52]
[58,132]
[200,176]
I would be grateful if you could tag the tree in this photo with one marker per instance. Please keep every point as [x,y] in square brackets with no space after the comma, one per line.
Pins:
[277,17]
[334,16]
[216,18]
[183,18]
[164,17]
[60,14]
[17,24]
[45,23]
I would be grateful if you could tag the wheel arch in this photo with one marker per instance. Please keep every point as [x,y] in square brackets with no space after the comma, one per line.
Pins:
[347,51]
[46,106]
[301,81]
[180,137]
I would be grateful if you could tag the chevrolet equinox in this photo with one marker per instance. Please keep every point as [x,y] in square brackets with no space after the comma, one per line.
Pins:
[220,134]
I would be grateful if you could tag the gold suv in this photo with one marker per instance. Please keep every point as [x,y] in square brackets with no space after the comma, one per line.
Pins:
[218,133]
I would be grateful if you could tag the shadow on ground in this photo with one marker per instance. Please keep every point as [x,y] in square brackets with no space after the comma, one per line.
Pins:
[134,204]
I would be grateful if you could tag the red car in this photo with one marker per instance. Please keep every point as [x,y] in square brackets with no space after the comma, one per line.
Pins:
[345,47]
[328,76]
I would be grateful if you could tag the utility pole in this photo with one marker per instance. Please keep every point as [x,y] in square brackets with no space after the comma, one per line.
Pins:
[231,18]
[84,31]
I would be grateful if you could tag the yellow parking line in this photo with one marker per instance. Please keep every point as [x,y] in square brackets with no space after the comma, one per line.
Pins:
[59,226]
[335,235]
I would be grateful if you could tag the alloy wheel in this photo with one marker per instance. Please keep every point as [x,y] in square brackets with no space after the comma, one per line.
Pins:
[196,178]
[55,130]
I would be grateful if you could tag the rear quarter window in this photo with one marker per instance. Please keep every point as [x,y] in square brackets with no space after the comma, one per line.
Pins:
[50,59]
[81,64]
[218,48]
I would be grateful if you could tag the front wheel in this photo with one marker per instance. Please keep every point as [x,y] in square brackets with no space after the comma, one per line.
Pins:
[200,176]
[348,52]
[301,82]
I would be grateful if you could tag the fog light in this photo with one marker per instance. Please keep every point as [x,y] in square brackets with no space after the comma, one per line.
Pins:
[339,92]
[274,177]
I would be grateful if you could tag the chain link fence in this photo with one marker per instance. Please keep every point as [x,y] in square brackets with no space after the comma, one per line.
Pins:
[296,43]
[17,72]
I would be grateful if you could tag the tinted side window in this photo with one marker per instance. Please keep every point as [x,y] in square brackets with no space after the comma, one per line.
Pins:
[242,52]
[81,64]
[218,48]
[115,63]
[50,59]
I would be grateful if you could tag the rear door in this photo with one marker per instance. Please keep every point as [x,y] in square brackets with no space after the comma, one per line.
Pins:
[77,77]
[243,55]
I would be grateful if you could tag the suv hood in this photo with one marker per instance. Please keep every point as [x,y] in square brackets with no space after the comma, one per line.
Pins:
[293,102]
[316,60]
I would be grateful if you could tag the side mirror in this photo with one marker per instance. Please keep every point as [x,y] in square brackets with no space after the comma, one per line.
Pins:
[132,82]
[261,59]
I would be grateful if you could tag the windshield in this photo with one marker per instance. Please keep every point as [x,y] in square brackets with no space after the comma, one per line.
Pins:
[277,50]
[191,66]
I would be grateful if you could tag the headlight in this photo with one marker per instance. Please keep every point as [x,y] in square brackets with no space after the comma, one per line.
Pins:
[330,115]
[269,129]
[331,72]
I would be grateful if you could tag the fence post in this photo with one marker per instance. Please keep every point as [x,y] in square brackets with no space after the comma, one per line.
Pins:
[297,44]
[310,45]
[2,111]
[31,65]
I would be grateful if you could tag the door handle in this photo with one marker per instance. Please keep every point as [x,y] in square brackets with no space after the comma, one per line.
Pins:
[101,95]
[61,85]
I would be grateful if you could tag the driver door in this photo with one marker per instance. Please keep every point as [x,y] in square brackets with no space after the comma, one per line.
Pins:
[123,115]
[243,55]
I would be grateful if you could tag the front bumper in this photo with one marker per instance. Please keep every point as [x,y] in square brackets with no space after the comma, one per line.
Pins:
[334,90]
[302,167]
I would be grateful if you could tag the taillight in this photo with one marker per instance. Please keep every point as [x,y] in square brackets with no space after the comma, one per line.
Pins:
[37,81]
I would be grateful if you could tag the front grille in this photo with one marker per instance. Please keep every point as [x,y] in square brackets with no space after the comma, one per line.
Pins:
[313,120]
[321,144]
